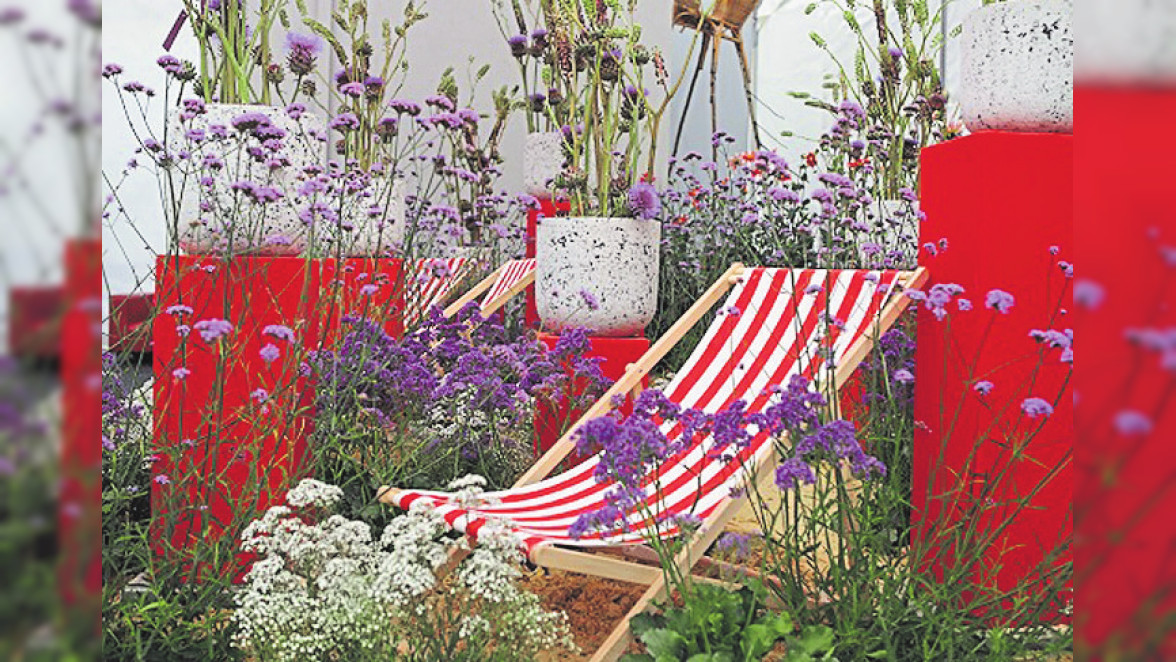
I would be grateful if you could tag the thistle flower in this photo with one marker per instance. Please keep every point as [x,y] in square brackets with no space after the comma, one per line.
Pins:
[644,201]
[518,45]
[302,50]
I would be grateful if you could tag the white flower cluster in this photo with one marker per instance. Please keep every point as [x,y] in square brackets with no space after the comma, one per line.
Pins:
[327,590]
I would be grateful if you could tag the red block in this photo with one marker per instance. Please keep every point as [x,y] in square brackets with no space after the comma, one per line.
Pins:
[80,500]
[372,288]
[547,208]
[224,452]
[1126,228]
[618,353]
[35,314]
[232,432]
[1001,201]
[130,322]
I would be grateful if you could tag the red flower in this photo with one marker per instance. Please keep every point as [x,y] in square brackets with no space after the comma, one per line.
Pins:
[857,163]
[810,159]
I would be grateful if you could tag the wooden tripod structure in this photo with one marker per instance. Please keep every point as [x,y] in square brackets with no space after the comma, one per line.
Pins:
[724,21]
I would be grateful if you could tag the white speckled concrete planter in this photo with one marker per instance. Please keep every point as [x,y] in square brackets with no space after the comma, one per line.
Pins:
[613,262]
[214,219]
[543,160]
[1018,67]
[372,224]
[1126,42]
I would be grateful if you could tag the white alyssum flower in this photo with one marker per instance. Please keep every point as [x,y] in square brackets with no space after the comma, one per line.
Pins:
[329,590]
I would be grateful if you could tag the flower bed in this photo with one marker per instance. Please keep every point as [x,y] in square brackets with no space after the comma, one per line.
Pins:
[350,551]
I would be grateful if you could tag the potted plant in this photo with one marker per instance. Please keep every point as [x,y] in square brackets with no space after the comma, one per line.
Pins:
[544,153]
[1018,67]
[364,191]
[240,156]
[598,267]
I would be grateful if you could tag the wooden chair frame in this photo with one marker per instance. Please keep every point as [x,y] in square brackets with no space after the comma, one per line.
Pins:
[601,565]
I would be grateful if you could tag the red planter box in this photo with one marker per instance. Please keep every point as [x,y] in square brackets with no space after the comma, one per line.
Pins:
[80,500]
[231,421]
[130,322]
[219,444]
[35,314]
[617,353]
[1001,201]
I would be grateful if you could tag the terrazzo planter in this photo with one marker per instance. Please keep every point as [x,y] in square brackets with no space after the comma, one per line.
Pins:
[612,262]
[543,160]
[215,218]
[1126,42]
[1018,67]
[372,223]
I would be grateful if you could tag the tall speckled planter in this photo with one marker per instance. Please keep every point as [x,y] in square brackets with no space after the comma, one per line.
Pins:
[543,160]
[372,223]
[1018,67]
[612,263]
[1130,42]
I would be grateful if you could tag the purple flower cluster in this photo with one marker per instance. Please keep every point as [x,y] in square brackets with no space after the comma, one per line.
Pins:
[632,449]
[464,368]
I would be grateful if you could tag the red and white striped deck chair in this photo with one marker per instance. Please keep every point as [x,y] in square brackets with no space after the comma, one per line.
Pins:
[497,288]
[429,283]
[780,325]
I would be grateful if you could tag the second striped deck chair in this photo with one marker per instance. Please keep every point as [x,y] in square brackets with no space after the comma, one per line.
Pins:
[497,288]
[429,283]
[773,324]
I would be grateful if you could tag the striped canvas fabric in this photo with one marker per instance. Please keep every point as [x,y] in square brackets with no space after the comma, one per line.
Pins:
[428,284]
[510,274]
[770,329]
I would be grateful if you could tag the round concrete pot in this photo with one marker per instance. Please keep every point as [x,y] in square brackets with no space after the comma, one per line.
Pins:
[372,220]
[1126,42]
[600,274]
[215,218]
[543,160]
[1018,67]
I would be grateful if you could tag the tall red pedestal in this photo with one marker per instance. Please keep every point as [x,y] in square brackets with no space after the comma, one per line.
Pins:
[999,201]
[547,207]
[231,420]
[230,432]
[80,499]
[1126,229]
[617,354]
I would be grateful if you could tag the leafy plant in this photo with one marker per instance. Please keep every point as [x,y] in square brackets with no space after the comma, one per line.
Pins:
[236,55]
[895,78]
[368,78]
[720,625]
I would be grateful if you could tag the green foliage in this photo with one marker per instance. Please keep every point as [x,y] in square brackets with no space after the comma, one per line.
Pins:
[719,625]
